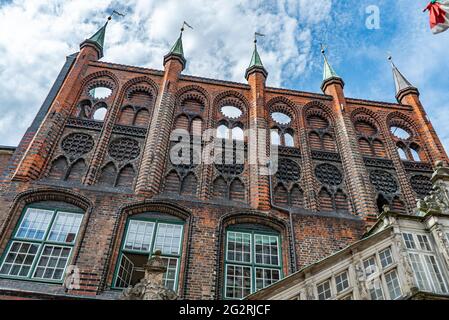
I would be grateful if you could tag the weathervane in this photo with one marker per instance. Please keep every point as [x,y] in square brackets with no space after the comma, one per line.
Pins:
[116,13]
[257,34]
[185,24]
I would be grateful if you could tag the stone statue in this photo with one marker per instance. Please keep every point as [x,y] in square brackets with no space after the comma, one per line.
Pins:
[151,286]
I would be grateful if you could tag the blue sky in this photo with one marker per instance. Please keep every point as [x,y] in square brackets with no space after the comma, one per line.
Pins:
[36,35]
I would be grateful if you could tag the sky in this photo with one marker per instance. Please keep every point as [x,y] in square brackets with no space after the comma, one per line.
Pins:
[37,35]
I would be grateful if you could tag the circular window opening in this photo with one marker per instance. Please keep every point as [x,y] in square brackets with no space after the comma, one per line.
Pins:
[399,133]
[281,118]
[231,112]
[100,92]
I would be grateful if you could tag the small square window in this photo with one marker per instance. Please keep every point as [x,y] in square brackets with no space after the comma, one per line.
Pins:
[266,277]
[385,257]
[409,241]
[424,243]
[342,281]
[324,290]
[370,266]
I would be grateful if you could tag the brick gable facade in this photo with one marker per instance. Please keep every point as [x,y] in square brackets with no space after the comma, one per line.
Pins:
[340,169]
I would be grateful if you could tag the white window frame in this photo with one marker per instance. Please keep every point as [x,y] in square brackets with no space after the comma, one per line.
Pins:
[420,253]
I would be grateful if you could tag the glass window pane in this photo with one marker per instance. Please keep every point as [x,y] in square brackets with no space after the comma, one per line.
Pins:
[125,272]
[267,249]
[424,243]
[342,281]
[409,241]
[65,227]
[266,277]
[170,275]
[393,285]
[385,258]
[375,290]
[418,270]
[139,235]
[238,247]
[238,281]
[324,290]
[19,259]
[168,238]
[34,224]
[435,274]
[52,262]
[370,266]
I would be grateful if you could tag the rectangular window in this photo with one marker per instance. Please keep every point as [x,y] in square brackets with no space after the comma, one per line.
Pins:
[52,263]
[435,274]
[266,277]
[168,238]
[19,259]
[170,275]
[142,239]
[324,290]
[370,266]
[34,224]
[32,252]
[253,255]
[385,258]
[342,282]
[239,247]
[266,250]
[238,281]
[394,288]
[139,236]
[65,227]
[125,272]
[409,241]
[375,289]
[424,243]
[420,274]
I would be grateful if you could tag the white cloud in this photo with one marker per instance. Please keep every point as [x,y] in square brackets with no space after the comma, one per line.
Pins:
[37,35]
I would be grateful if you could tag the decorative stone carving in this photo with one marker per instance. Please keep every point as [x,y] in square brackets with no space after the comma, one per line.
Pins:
[151,286]
[438,200]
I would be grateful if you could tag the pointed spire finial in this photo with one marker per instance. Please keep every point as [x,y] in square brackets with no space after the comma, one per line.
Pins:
[177,51]
[256,61]
[402,85]
[97,40]
[329,74]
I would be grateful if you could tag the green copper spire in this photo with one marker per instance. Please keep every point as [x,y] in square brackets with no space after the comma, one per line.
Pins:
[177,47]
[328,72]
[177,51]
[256,61]
[97,40]
[98,37]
